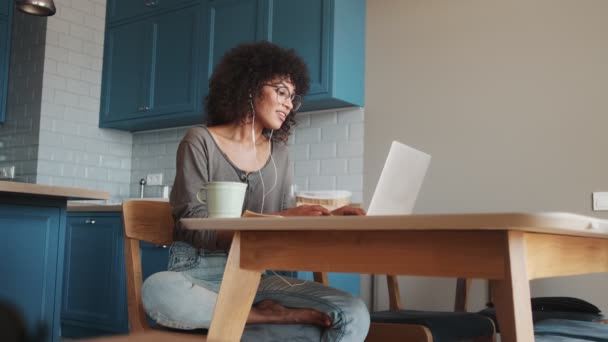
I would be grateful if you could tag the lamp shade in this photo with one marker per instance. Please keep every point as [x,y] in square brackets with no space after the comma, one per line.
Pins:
[43,8]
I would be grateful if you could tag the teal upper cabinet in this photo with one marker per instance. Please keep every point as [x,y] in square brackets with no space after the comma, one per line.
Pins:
[152,71]
[330,37]
[232,22]
[119,10]
[159,55]
[5,44]
[5,5]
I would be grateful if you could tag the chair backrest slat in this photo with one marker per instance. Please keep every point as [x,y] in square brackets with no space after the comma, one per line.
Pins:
[150,221]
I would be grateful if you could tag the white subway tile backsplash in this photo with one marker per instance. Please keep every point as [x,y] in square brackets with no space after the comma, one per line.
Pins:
[69,42]
[85,6]
[117,175]
[67,70]
[351,182]
[308,136]
[350,149]
[50,66]
[79,59]
[303,120]
[299,152]
[82,32]
[92,76]
[100,10]
[355,131]
[336,167]
[78,87]
[322,183]
[110,162]
[301,183]
[88,103]
[64,127]
[57,53]
[66,98]
[52,38]
[58,25]
[323,120]
[355,166]
[322,151]
[334,133]
[357,197]
[72,15]
[354,115]
[166,162]
[51,168]
[94,21]
[307,168]
[97,173]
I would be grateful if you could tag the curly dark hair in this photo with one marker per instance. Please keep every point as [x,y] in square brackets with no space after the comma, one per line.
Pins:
[242,72]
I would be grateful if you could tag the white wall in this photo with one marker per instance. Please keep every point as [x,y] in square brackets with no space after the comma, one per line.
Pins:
[509,97]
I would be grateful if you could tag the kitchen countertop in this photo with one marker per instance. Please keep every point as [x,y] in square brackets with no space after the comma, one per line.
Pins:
[74,206]
[52,191]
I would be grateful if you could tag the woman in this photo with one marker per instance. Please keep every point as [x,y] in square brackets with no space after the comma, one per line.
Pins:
[251,106]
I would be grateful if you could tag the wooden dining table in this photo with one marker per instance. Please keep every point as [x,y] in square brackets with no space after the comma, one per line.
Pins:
[508,249]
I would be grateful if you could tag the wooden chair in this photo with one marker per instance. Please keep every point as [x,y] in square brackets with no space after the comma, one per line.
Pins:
[398,324]
[150,221]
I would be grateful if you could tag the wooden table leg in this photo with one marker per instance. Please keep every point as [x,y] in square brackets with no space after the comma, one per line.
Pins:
[512,294]
[235,298]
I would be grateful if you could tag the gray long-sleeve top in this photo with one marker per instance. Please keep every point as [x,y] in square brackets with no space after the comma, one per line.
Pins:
[199,160]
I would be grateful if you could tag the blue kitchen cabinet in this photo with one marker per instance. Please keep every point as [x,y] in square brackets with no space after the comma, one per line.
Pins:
[330,37]
[94,294]
[32,235]
[154,258]
[6,9]
[152,72]
[119,10]
[126,72]
[232,22]
[94,290]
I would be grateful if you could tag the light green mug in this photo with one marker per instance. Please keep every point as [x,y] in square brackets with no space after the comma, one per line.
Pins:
[223,199]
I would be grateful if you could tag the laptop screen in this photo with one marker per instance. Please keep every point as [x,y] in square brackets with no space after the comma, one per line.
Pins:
[400,181]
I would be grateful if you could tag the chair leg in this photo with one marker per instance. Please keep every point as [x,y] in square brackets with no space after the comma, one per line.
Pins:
[463,286]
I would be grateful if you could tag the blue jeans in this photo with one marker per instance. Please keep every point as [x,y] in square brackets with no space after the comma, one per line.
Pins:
[184,298]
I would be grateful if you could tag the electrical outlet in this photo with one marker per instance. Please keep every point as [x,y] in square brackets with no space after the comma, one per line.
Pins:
[154,179]
[600,201]
[7,172]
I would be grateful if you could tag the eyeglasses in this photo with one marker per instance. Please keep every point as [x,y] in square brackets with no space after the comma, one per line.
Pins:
[283,94]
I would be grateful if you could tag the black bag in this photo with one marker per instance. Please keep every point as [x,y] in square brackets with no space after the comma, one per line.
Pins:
[544,308]
[13,329]
[564,304]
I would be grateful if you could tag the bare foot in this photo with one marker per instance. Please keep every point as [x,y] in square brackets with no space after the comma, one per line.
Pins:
[268,311]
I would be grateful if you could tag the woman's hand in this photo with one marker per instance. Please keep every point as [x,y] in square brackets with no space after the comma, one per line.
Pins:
[348,210]
[306,210]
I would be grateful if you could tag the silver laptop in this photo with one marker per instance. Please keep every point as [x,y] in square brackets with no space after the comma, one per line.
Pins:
[400,181]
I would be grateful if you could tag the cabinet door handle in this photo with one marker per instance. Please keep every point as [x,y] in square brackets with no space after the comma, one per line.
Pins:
[89,221]
[143,108]
[161,246]
[150,3]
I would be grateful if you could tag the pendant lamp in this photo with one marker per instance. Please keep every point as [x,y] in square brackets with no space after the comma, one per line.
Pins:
[43,8]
